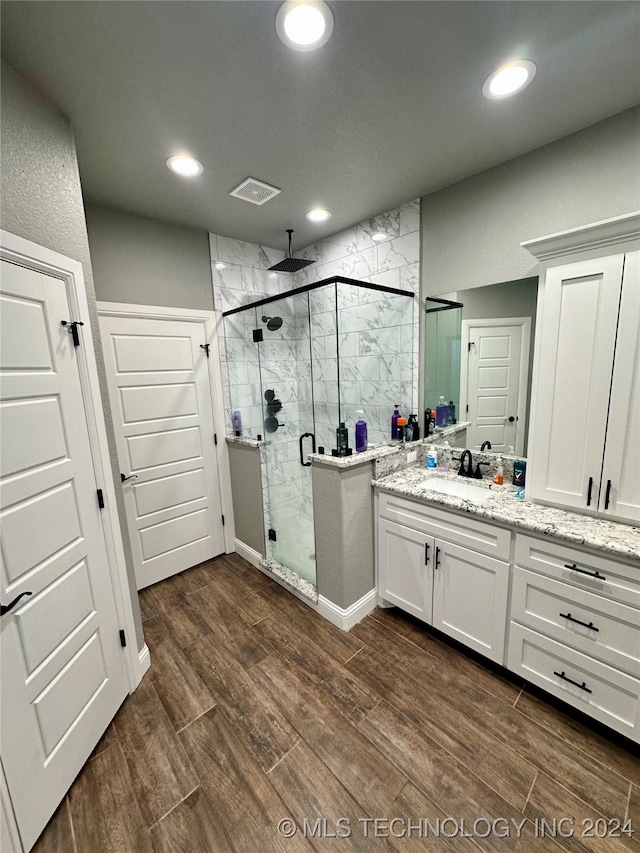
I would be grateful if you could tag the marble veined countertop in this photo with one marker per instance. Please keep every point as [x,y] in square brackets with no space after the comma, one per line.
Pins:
[620,540]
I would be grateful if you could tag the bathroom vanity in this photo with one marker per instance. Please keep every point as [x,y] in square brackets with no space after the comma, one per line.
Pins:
[551,595]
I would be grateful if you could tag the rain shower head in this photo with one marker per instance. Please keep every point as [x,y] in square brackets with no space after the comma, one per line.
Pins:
[290,264]
[273,323]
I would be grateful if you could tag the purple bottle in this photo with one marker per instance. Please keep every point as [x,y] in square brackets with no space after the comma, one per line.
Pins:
[361,432]
[237,423]
[394,423]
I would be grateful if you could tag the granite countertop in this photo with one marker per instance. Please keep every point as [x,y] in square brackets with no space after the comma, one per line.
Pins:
[620,540]
[241,439]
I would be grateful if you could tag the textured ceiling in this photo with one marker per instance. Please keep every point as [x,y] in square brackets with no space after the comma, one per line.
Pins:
[388,110]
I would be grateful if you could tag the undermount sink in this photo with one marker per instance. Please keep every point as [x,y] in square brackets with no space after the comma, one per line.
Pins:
[457,489]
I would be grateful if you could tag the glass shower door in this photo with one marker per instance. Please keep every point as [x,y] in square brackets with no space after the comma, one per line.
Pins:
[288,421]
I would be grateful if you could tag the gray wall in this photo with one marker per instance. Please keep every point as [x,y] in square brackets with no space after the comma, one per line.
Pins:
[471,231]
[148,262]
[343,507]
[246,487]
[42,202]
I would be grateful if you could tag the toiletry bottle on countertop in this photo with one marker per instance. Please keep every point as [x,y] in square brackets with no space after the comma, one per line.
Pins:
[342,439]
[519,472]
[415,428]
[394,423]
[361,432]
[237,423]
[442,413]
[402,426]
[498,477]
[432,458]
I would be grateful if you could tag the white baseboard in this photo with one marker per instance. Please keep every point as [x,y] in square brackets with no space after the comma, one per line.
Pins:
[346,618]
[144,662]
[248,553]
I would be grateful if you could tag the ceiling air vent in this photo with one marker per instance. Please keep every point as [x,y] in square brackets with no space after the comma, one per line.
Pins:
[254,191]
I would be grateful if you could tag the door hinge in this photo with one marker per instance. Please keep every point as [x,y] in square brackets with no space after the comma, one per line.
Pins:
[205,347]
[100,498]
[258,337]
[467,407]
[123,638]
[215,438]
[223,520]
[272,535]
[73,329]
[470,344]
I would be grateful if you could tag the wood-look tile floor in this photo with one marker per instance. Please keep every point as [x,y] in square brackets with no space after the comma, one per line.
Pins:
[256,709]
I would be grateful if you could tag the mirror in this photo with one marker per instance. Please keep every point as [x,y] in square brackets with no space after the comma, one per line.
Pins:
[479,357]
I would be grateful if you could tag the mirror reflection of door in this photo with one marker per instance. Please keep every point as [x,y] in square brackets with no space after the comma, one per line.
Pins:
[493,381]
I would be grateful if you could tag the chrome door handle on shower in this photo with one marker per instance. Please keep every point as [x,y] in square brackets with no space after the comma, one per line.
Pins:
[313,447]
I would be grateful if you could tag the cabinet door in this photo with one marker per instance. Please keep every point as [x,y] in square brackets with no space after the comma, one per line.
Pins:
[620,492]
[574,360]
[405,559]
[470,598]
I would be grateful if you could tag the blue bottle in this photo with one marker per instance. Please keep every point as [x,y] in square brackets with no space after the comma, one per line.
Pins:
[442,413]
[361,432]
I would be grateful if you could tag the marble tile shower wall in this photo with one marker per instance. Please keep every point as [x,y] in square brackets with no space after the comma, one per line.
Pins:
[378,338]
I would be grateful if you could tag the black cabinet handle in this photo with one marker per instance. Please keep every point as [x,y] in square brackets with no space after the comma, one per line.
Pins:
[313,447]
[578,622]
[607,495]
[5,608]
[582,686]
[426,553]
[590,489]
[124,478]
[437,565]
[595,574]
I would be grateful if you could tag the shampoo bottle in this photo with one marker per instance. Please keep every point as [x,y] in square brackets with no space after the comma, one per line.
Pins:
[342,439]
[237,423]
[394,423]
[401,426]
[415,428]
[361,432]
[442,413]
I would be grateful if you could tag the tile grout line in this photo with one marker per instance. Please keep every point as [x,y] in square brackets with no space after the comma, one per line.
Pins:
[515,702]
[174,806]
[353,655]
[626,813]
[283,757]
[73,831]
[206,711]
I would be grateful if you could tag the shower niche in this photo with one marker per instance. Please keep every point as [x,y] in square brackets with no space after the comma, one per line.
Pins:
[300,364]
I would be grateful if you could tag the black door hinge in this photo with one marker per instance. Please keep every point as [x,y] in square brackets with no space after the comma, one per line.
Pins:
[467,407]
[100,498]
[272,535]
[205,347]
[123,639]
[470,344]
[215,438]
[223,520]
[257,336]
[73,329]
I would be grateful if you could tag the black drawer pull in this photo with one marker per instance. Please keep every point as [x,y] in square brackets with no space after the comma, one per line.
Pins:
[589,491]
[607,495]
[595,574]
[578,622]
[426,553]
[437,565]
[582,686]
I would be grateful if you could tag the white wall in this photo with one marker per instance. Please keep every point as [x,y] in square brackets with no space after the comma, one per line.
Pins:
[471,231]
[42,202]
[148,262]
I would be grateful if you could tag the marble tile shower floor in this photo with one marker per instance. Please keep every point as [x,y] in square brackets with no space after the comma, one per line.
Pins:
[257,710]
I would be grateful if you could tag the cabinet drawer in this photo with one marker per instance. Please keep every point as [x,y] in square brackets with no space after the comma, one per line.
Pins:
[610,696]
[564,613]
[455,527]
[589,572]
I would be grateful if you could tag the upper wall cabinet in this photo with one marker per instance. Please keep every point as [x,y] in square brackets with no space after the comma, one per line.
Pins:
[584,450]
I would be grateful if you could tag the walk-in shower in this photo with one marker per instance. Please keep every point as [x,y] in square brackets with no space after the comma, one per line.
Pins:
[301,363]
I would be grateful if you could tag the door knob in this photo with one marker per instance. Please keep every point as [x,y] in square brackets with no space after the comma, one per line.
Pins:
[510,420]
[124,479]
[5,608]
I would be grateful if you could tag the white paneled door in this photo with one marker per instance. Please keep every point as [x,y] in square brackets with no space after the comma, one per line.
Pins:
[63,672]
[160,395]
[494,382]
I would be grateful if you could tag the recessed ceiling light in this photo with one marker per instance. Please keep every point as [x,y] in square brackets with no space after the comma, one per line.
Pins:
[304,24]
[184,165]
[509,79]
[318,214]
[379,236]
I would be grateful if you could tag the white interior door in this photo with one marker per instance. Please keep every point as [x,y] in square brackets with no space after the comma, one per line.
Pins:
[494,379]
[63,673]
[158,378]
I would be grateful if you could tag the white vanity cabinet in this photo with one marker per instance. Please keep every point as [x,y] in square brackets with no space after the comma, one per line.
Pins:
[585,406]
[448,570]
[575,629]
